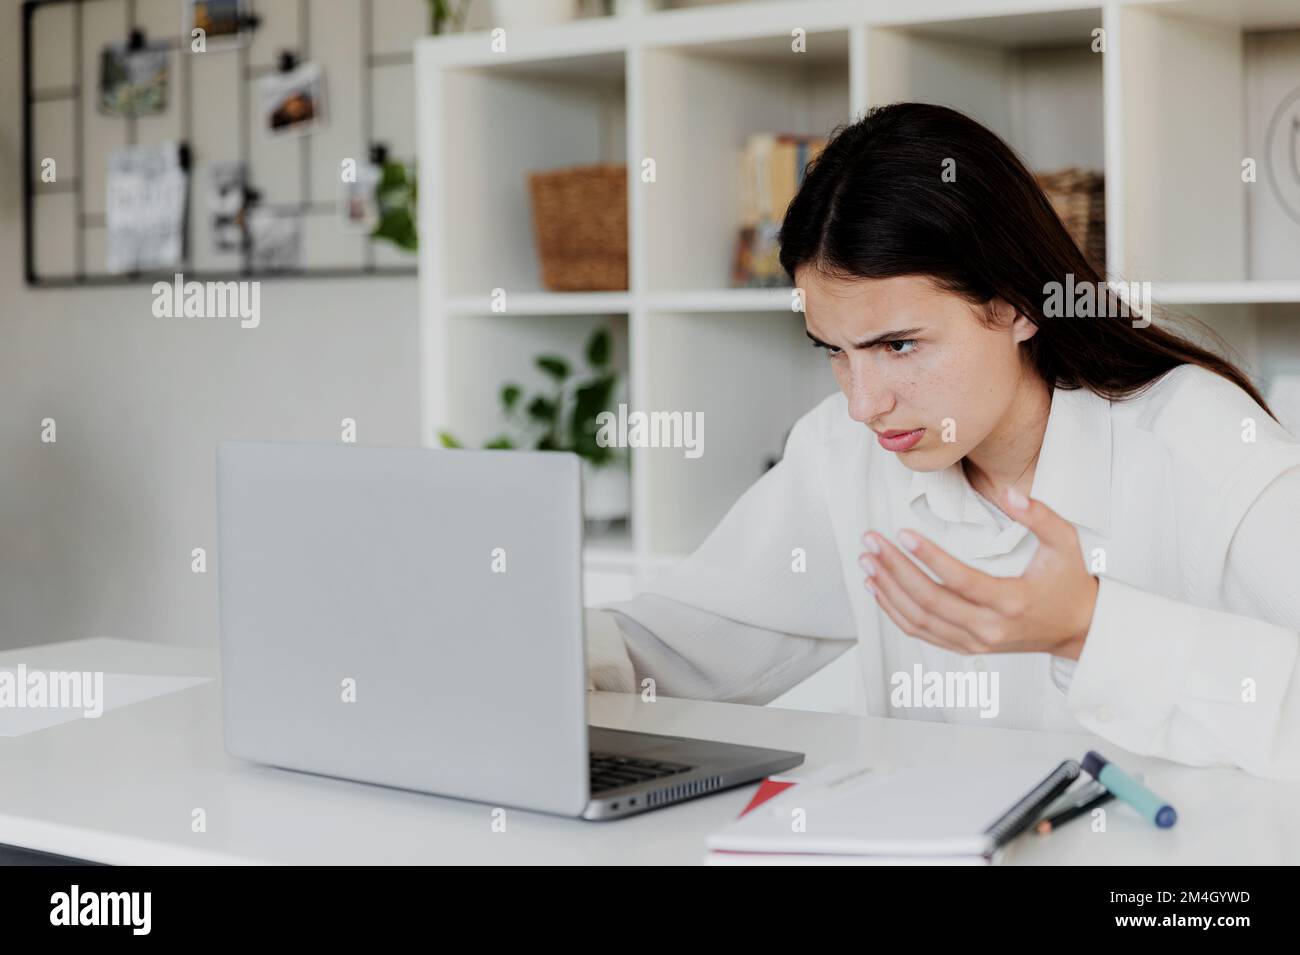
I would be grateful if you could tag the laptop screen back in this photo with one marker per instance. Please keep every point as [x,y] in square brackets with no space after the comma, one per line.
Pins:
[408,617]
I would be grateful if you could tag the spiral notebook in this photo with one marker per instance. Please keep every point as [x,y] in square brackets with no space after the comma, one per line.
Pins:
[918,814]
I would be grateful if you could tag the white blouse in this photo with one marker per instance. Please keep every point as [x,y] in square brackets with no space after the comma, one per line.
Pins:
[1186,498]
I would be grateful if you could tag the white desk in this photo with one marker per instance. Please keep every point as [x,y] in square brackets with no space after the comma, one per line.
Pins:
[121,789]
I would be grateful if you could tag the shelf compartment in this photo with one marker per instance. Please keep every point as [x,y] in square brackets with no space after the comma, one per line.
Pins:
[1031,78]
[699,102]
[1189,214]
[545,115]
[493,349]
[1262,337]
[694,357]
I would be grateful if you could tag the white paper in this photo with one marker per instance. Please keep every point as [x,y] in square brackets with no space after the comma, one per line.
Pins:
[119,689]
[144,211]
[910,811]
[275,239]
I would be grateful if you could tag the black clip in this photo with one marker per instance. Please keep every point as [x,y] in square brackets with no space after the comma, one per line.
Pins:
[183,154]
[135,42]
[378,154]
[288,61]
[251,196]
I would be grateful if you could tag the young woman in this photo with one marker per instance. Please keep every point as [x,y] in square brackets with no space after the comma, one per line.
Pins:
[1099,513]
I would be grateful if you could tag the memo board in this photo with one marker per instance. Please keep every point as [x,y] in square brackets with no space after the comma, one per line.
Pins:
[212,112]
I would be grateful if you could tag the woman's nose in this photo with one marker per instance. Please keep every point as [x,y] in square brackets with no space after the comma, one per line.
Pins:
[868,400]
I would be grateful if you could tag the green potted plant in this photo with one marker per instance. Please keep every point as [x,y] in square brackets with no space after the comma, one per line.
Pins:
[396,199]
[444,14]
[564,418]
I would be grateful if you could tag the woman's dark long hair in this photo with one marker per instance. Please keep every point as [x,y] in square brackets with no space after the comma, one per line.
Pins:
[875,204]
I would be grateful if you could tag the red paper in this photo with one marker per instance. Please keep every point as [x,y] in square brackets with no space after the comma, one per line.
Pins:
[766,790]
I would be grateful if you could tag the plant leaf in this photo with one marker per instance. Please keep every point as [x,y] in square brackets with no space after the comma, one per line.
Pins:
[448,441]
[553,365]
[510,397]
[598,348]
[590,399]
[392,177]
[542,410]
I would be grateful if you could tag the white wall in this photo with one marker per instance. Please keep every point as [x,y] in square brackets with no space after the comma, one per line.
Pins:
[96,530]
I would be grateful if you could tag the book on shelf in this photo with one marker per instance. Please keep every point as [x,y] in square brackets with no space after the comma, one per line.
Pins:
[772,167]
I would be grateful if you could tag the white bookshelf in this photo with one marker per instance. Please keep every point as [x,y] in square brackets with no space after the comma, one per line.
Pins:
[1165,112]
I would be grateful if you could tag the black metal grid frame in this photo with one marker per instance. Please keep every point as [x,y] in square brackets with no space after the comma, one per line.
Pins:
[185,98]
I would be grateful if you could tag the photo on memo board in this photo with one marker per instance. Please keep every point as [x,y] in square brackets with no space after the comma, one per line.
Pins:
[292,102]
[359,207]
[226,203]
[224,22]
[133,82]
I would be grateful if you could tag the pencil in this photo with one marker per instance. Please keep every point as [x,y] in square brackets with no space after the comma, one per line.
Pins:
[1065,815]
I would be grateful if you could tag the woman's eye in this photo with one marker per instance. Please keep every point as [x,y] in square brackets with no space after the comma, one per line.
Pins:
[901,346]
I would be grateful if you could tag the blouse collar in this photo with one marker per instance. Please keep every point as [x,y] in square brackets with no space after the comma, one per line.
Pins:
[1072,477]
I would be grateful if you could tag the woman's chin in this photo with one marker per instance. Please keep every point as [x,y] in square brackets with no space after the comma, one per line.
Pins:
[925,458]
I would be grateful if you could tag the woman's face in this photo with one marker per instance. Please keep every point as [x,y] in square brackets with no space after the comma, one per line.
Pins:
[921,367]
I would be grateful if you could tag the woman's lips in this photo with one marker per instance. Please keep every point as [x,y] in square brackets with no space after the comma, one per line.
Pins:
[899,440]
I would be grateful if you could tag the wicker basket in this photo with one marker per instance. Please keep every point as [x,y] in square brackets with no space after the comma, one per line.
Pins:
[580,225]
[1079,198]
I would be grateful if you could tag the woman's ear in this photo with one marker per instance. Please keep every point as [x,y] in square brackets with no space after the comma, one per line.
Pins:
[1022,327]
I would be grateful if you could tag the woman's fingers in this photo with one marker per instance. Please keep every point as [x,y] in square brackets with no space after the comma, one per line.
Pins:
[1050,528]
[921,617]
[1001,594]
[973,612]
[902,622]
[931,597]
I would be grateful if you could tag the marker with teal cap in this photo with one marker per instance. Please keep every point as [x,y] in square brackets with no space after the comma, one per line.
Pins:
[1125,787]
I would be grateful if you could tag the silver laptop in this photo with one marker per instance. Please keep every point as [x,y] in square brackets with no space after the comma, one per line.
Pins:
[414,618]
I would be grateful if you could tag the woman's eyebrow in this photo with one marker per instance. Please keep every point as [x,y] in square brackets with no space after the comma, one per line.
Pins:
[894,335]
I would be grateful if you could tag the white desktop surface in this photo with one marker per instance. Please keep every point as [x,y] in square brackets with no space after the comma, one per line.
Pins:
[121,789]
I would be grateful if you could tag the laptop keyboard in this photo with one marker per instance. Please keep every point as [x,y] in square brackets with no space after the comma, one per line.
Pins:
[610,772]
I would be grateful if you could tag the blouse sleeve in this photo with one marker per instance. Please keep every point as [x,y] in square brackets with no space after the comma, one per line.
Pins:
[1205,687]
[757,608]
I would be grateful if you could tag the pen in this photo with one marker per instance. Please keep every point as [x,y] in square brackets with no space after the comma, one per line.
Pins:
[1125,787]
[1021,816]
[1074,811]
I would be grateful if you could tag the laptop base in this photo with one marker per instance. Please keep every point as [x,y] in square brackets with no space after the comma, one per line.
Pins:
[643,784]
